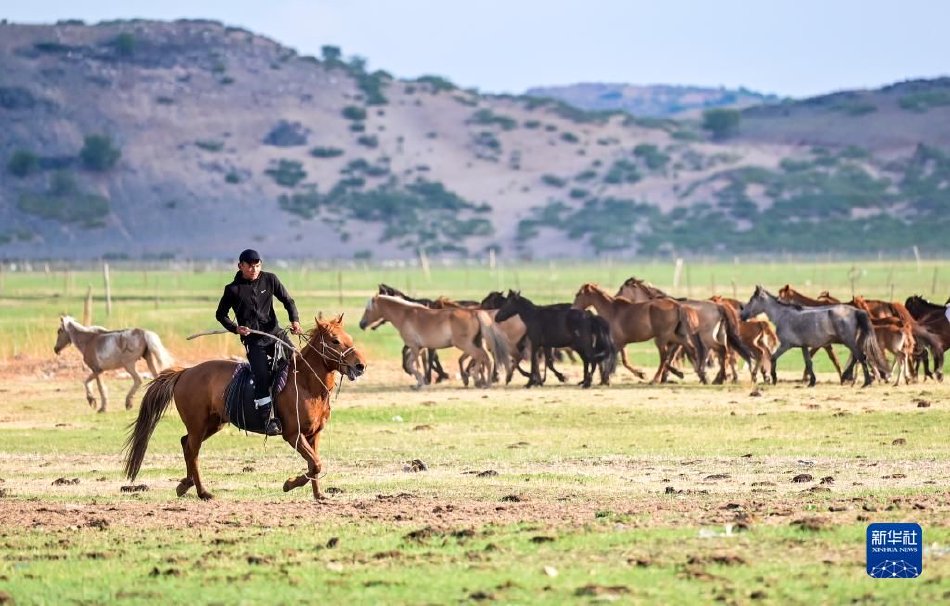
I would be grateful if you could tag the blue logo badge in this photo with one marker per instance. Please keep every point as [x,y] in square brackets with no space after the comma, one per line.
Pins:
[895,551]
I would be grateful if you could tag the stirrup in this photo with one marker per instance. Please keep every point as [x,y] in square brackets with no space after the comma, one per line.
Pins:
[272,427]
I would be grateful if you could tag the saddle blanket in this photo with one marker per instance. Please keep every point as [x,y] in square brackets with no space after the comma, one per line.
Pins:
[239,399]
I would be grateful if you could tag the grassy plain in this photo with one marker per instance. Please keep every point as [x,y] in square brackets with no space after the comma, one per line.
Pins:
[675,494]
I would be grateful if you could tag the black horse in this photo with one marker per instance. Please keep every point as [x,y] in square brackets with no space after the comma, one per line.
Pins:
[933,328]
[558,325]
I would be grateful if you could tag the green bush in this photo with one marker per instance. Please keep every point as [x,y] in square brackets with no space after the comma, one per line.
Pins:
[622,171]
[98,153]
[124,44]
[438,83]
[209,145]
[65,202]
[568,137]
[488,117]
[326,152]
[924,100]
[287,173]
[553,180]
[370,141]
[651,156]
[722,123]
[23,163]
[353,112]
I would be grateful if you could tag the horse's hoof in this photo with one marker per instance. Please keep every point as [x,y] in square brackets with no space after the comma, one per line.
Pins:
[182,488]
[288,486]
[128,406]
[205,496]
[103,409]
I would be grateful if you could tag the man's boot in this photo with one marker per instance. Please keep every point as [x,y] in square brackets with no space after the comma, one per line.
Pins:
[264,407]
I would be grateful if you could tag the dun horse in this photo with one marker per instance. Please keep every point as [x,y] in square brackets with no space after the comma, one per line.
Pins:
[810,327]
[303,405]
[104,349]
[421,327]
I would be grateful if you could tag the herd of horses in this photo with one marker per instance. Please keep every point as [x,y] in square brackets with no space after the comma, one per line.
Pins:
[505,330]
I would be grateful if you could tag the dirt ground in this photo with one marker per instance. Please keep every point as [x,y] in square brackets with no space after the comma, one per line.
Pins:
[673,493]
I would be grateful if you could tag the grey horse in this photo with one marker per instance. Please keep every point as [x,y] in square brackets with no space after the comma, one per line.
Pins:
[104,349]
[811,327]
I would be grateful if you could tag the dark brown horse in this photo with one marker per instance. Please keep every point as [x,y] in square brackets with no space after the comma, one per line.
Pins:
[303,406]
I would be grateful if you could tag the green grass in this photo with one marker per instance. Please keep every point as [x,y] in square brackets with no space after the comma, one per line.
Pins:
[179,303]
[624,490]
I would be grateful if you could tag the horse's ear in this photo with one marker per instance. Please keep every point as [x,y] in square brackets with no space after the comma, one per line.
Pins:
[319,317]
[339,320]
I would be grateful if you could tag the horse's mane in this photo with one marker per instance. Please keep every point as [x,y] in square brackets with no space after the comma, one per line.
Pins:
[401,301]
[651,290]
[781,302]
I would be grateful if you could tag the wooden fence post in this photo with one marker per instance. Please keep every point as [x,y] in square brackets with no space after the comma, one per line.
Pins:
[105,276]
[87,307]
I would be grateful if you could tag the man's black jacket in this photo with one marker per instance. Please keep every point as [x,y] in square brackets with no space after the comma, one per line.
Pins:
[253,304]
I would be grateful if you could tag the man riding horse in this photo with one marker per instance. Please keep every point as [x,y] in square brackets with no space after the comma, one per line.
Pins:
[251,295]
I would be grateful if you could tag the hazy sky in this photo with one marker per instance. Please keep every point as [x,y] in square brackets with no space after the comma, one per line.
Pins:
[789,47]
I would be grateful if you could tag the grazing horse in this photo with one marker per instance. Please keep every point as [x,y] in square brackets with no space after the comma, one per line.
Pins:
[421,327]
[718,323]
[809,327]
[557,325]
[303,405]
[104,349]
[666,321]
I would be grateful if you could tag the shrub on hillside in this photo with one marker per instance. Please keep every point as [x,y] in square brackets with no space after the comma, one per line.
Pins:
[23,163]
[98,153]
[287,173]
[721,123]
[287,134]
[353,112]
[326,152]
[64,201]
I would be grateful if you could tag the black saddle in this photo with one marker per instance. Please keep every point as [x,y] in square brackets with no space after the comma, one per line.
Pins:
[239,398]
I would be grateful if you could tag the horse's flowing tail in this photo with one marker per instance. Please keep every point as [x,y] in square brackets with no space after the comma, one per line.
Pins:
[687,328]
[154,403]
[731,319]
[604,345]
[770,339]
[497,341]
[927,339]
[867,342]
[163,359]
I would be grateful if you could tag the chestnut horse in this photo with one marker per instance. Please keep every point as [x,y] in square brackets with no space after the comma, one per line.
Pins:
[718,323]
[303,405]
[669,323]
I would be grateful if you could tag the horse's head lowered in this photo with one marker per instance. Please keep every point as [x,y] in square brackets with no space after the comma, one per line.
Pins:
[335,346]
[62,336]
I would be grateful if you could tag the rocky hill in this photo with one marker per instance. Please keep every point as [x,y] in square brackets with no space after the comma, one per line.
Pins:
[190,139]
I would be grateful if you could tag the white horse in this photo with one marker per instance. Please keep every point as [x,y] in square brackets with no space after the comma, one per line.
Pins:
[104,349]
